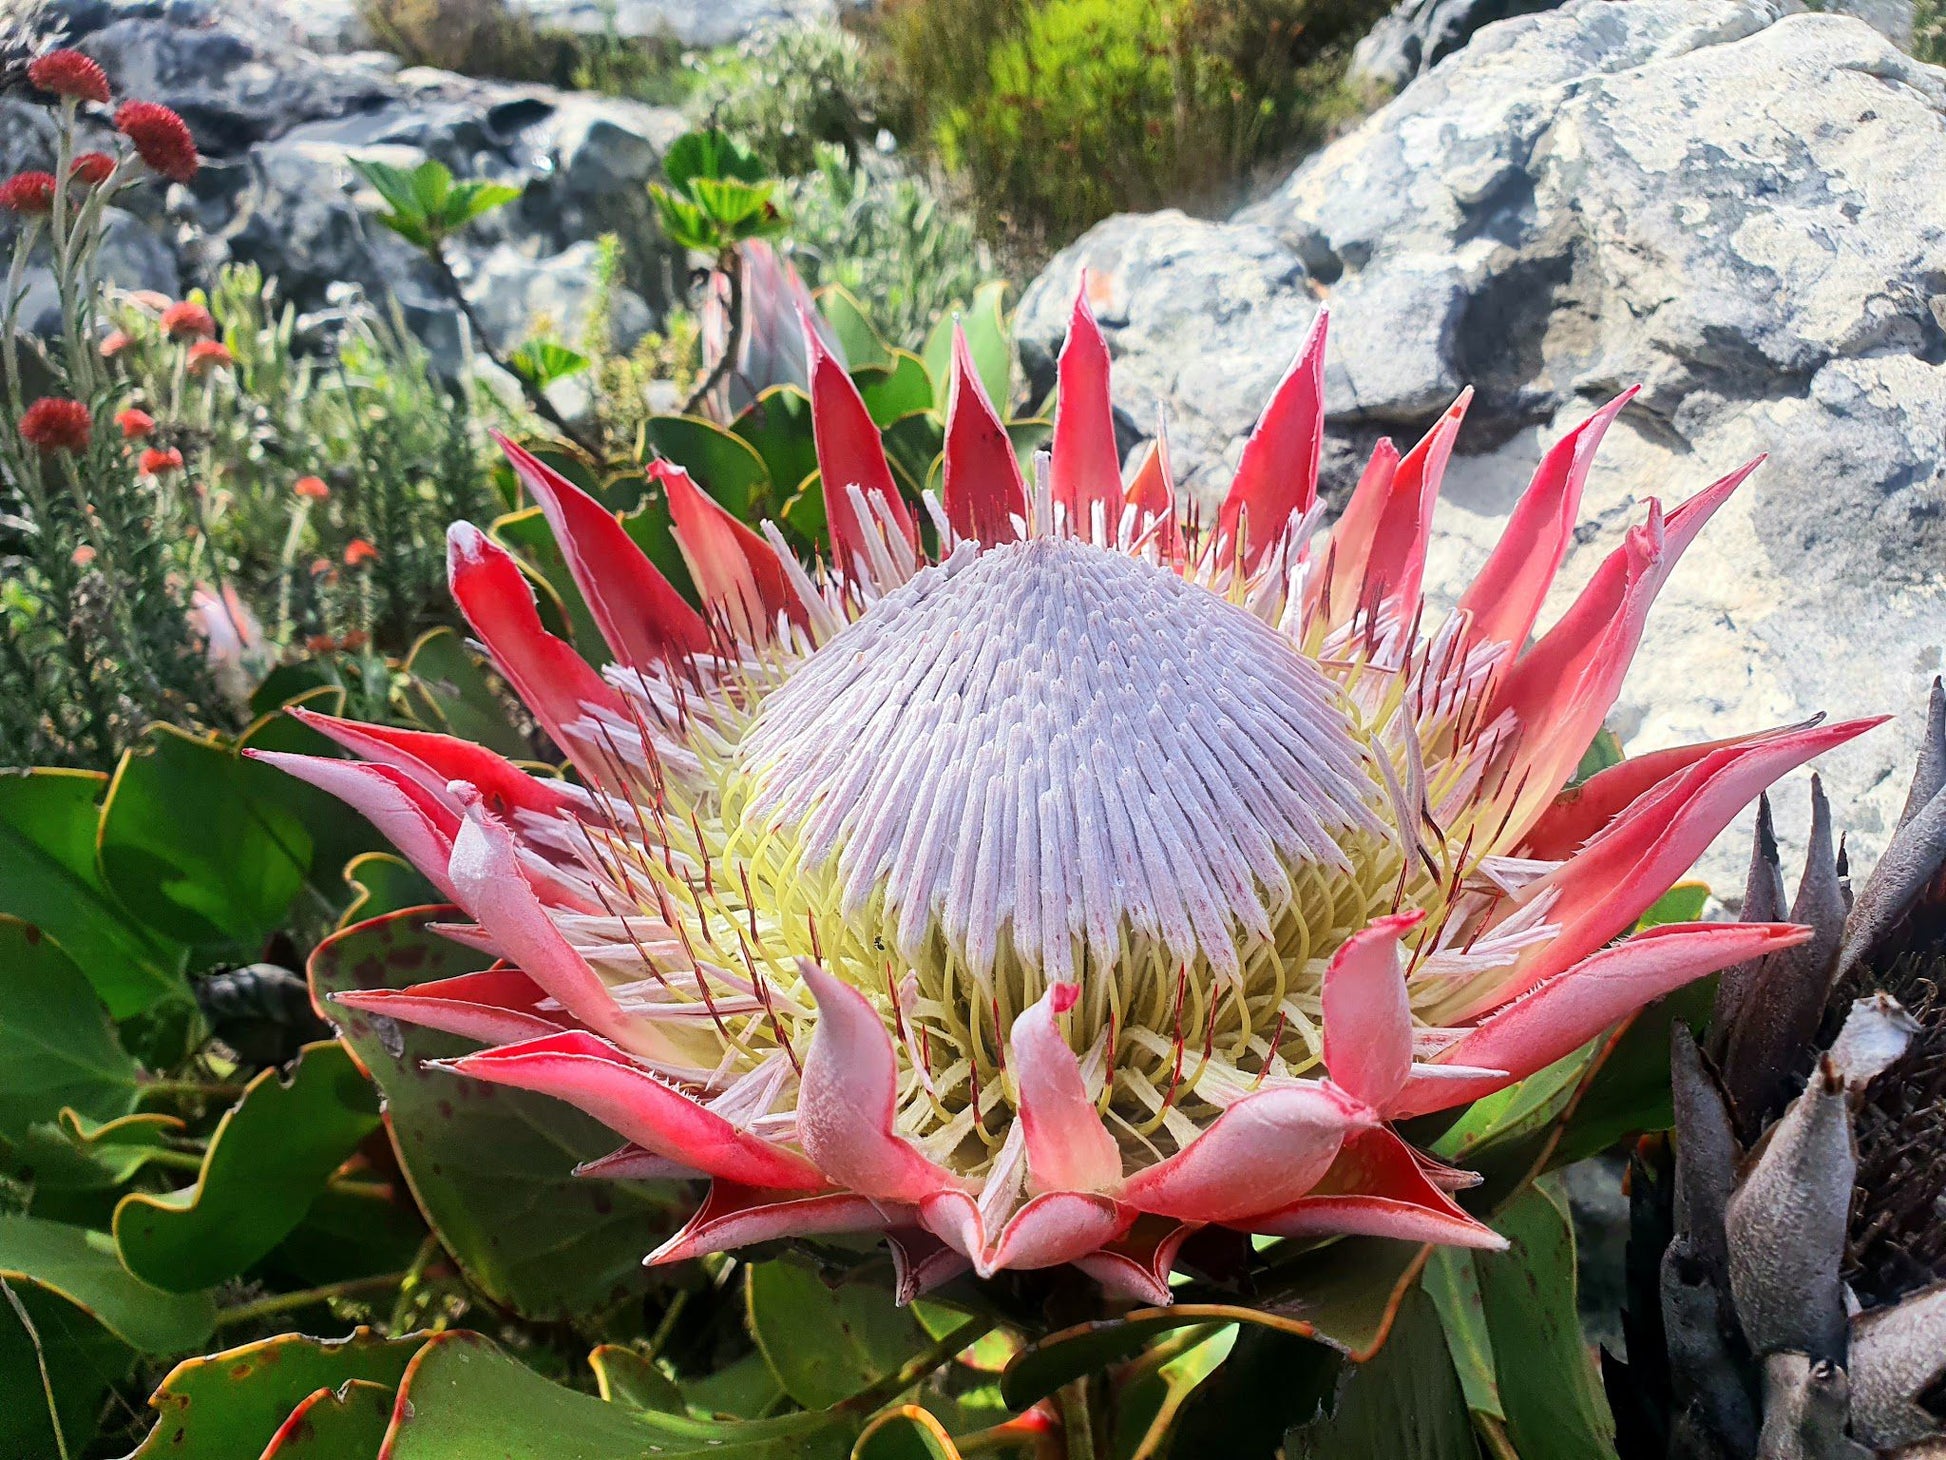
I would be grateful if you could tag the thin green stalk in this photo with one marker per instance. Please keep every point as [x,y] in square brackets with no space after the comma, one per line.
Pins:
[40,1358]
[1077,1420]
[280,1303]
[877,1396]
[414,1275]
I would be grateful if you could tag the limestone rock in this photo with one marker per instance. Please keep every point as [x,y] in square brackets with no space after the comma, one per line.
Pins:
[1741,209]
[279,124]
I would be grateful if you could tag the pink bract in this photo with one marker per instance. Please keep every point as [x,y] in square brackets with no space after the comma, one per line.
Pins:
[1042,883]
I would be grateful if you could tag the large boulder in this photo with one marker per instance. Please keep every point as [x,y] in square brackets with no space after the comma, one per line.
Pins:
[279,124]
[1741,210]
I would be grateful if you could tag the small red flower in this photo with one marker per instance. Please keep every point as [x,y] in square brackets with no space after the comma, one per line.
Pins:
[54,423]
[320,643]
[161,138]
[69,73]
[92,169]
[206,355]
[160,460]
[114,342]
[188,320]
[136,424]
[354,640]
[311,487]
[82,556]
[28,192]
[359,551]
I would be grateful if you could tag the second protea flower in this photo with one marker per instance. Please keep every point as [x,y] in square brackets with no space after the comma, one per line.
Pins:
[1044,879]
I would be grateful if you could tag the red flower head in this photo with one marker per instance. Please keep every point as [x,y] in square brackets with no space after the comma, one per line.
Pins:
[136,424]
[311,487]
[114,342]
[69,73]
[161,138]
[1083,1042]
[359,551]
[28,192]
[188,321]
[320,643]
[206,355]
[354,640]
[54,423]
[160,460]
[92,169]
[82,556]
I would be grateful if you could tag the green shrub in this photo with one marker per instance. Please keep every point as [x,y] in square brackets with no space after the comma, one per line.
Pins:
[1929,31]
[502,41]
[785,92]
[886,236]
[1060,112]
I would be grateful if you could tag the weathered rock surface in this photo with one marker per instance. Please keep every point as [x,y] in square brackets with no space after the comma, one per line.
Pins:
[1743,211]
[1419,34]
[278,123]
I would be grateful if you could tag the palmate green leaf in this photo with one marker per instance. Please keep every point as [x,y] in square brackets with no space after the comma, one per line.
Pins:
[1553,1400]
[684,223]
[270,1157]
[826,1343]
[233,1403]
[1404,1404]
[989,339]
[732,204]
[462,1399]
[199,843]
[49,876]
[541,363]
[491,1167]
[475,199]
[709,153]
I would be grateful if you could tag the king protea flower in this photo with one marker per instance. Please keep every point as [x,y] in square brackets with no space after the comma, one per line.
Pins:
[1042,881]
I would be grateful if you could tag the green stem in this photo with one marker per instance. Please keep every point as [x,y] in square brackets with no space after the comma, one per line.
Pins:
[1077,1421]
[732,266]
[414,1275]
[40,1357]
[281,1303]
[869,1400]
[191,1089]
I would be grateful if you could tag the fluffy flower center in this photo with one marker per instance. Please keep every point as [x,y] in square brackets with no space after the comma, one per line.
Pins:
[1046,763]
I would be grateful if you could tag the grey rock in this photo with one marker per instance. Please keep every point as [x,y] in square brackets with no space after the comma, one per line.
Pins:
[1743,210]
[691,22]
[1421,33]
[279,125]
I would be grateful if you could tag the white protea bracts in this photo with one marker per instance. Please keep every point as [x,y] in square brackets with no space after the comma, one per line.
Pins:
[1041,886]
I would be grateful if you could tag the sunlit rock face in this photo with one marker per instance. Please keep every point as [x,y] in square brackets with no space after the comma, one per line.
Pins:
[1739,208]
